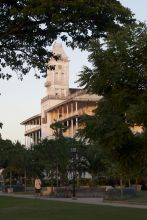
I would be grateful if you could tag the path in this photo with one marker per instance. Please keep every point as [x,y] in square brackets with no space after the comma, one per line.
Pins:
[95,201]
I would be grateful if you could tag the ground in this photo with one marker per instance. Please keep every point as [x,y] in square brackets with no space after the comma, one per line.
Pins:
[37,209]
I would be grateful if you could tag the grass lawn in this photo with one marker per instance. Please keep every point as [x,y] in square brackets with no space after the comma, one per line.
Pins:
[141,197]
[35,209]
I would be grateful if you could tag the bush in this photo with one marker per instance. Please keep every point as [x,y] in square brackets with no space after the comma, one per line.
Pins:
[117,194]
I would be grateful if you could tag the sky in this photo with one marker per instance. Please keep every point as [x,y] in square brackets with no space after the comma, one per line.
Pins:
[21,99]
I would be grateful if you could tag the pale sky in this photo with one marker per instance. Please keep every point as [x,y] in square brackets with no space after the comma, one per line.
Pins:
[21,99]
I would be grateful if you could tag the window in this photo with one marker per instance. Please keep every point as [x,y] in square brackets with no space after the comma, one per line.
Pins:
[62,91]
[56,76]
[56,92]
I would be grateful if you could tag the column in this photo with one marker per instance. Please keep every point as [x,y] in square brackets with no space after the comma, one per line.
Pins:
[40,135]
[58,114]
[71,109]
[67,112]
[35,137]
[76,108]
[72,131]
[62,112]
[67,124]
[25,140]
[29,141]
[76,123]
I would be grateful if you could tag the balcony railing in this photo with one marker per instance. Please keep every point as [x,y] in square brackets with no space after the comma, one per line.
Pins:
[31,130]
[64,117]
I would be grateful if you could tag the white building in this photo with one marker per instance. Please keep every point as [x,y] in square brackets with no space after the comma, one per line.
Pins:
[61,103]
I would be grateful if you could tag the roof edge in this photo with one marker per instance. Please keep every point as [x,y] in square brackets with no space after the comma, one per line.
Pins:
[31,118]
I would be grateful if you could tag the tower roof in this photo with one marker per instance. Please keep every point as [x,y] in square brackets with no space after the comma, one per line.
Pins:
[58,50]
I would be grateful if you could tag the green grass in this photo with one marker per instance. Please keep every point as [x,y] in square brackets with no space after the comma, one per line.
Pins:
[140,198]
[35,209]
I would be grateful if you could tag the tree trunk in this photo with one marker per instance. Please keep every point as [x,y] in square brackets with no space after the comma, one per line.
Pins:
[52,181]
[57,175]
[121,187]
[10,179]
[136,183]
[129,182]
[25,180]
[92,179]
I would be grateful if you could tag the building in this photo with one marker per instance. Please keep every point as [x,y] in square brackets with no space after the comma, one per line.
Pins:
[62,103]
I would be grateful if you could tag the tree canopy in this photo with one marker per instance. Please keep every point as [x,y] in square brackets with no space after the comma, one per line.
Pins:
[119,75]
[28,27]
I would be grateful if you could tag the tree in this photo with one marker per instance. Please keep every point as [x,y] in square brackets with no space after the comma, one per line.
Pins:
[20,161]
[13,159]
[58,129]
[119,75]
[28,27]
[53,156]
[5,148]
[1,125]
[92,160]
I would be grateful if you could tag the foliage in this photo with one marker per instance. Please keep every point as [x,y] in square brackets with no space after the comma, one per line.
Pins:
[119,75]
[15,159]
[92,159]
[5,148]
[52,155]
[28,27]
[1,125]
[58,129]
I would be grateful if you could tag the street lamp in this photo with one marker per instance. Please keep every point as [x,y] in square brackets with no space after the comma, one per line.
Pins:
[73,151]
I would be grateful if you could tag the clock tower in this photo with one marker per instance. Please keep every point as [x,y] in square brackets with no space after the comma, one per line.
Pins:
[57,81]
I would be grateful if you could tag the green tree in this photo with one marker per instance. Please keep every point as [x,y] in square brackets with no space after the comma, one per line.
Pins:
[29,27]
[58,129]
[1,125]
[119,75]
[53,157]
[13,159]
[5,148]
[93,161]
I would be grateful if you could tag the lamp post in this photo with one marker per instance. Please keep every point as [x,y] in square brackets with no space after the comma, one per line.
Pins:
[73,151]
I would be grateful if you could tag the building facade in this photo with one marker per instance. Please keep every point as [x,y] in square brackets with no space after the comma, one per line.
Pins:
[61,103]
